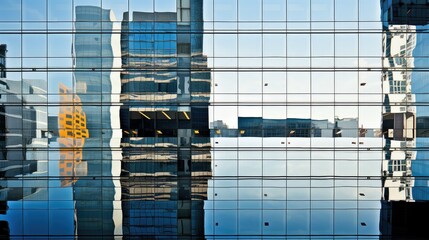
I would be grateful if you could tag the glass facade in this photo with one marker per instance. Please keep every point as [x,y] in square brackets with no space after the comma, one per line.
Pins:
[213,119]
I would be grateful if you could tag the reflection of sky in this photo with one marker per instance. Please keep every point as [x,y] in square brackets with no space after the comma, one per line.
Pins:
[297,47]
[420,86]
[294,51]
[40,217]
[420,170]
[296,205]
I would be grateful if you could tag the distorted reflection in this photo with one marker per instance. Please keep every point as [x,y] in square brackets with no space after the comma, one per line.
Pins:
[404,117]
[207,119]
[24,136]
[97,83]
[164,121]
[292,127]
[318,190]
[23,127]
[72,135]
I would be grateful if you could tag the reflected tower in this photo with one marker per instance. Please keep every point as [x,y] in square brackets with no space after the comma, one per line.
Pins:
[166,138]
[14,160]
[23,123]
[405,167]
[96,52]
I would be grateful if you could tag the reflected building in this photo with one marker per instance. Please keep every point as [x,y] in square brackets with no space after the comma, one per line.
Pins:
[13,148]
[405,12]
[291,127]
[96,51]
[404,117]
[294,150]
[23,138]
[399,112]
[166,138]
[72,133]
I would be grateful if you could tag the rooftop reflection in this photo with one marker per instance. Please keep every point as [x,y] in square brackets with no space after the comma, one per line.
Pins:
[292,127]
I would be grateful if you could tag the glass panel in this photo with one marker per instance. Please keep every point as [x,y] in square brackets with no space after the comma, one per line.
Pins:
[11,11]
[274,10]
[34,10]
[322,10]
[298,10]
[249,10]
[225,10]
[59,10]
[346,10]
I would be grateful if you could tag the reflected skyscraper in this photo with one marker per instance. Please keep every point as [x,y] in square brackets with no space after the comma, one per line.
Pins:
[399,111]
[23,137]
[96,59]
[405,115]
[14,142]
[164,118]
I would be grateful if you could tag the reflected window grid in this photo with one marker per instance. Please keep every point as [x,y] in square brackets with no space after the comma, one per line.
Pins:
[191,118]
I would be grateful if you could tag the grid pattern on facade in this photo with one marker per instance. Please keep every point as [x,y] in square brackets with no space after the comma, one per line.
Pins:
[230,119]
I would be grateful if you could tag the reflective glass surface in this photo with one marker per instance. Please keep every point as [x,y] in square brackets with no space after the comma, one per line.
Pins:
[214,119]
